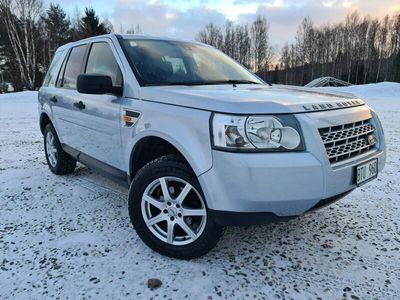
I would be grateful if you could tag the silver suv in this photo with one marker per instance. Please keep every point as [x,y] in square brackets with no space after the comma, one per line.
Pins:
[202,142]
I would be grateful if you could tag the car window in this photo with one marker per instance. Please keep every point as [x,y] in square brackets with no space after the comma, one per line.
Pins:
[163,62]
[102,61]
[73,67]
[51,75]
[59,78]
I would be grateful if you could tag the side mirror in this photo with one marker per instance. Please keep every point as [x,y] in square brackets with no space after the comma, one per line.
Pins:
[97,85]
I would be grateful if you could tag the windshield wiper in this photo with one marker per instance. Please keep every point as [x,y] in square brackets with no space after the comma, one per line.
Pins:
[234,81]
[176,83]
[209,82]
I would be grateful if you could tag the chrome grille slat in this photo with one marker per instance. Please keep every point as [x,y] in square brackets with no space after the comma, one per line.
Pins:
[348,140]
[358,131]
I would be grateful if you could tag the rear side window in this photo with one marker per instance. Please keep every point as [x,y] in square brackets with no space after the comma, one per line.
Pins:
[102,61]
[52,72]
[73,67]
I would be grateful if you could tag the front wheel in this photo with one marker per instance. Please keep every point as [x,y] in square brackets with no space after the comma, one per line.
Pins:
[168,210]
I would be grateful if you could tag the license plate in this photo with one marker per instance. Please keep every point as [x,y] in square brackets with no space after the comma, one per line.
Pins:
[366,172]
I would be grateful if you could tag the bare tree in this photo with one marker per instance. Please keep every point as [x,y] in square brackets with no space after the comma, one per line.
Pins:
[211,35]
[19,19]
[248,44]
[229,46]
[286,61]
[305,40]
[371,52]
[243,45]
[262,50]
[395,49]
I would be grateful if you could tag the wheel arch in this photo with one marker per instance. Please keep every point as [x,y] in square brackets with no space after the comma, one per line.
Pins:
[44,120]
[149,148]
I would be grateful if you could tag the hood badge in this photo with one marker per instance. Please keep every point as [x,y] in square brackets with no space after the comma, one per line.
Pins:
[371,139]
[334,105]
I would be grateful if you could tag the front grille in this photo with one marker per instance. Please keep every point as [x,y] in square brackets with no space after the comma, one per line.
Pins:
[348,140]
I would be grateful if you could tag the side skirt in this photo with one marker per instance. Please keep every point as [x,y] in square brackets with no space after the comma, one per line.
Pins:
[104,169]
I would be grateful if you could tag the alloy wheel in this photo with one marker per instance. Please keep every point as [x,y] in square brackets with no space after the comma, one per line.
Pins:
[51,149]
[173,210]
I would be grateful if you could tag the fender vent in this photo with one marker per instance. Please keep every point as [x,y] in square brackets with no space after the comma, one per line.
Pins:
[130,117]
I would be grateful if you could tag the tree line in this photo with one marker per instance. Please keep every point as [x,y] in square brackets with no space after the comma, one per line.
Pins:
[30,34]
[248,44]
[357,50]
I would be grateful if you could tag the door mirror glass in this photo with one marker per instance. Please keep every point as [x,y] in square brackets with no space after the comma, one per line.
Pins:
[96,84]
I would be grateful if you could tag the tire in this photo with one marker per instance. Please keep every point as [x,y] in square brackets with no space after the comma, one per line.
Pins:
[183,212]
[58,160]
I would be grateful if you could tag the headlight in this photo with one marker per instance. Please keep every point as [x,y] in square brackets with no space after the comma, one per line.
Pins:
[256,133]
[378,120]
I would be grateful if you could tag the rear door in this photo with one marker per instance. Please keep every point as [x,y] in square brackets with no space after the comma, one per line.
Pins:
[48,92]
[97,120]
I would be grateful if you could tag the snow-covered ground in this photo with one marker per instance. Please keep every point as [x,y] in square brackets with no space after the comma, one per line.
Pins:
[70,236]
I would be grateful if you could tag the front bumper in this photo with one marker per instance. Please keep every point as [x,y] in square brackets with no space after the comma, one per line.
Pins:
[230,218]
[283,184]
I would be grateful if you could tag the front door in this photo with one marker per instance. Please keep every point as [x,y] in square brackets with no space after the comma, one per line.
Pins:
[98,117]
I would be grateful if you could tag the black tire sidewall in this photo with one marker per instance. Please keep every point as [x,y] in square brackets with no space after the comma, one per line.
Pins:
[50,128]
[65,164]
[169,166]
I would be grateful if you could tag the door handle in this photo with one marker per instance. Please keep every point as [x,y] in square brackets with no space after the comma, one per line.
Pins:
[53,99]
[80,105]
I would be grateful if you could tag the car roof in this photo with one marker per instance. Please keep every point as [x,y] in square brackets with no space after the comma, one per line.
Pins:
[126,36]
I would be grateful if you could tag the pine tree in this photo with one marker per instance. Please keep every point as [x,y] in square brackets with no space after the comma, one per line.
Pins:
[57,29]
[91,26]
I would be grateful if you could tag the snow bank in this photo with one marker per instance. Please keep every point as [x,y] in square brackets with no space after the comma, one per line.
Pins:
[27,95]
[371,91]
[26,102]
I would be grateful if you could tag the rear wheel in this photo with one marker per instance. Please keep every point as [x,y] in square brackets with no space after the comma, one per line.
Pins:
[168,210]
[58,160]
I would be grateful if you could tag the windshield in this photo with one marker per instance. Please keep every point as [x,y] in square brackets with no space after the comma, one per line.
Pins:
[161,62]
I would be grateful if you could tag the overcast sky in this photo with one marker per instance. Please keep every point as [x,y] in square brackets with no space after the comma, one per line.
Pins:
[184,19]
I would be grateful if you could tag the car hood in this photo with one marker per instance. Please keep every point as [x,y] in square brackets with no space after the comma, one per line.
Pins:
[250,98]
